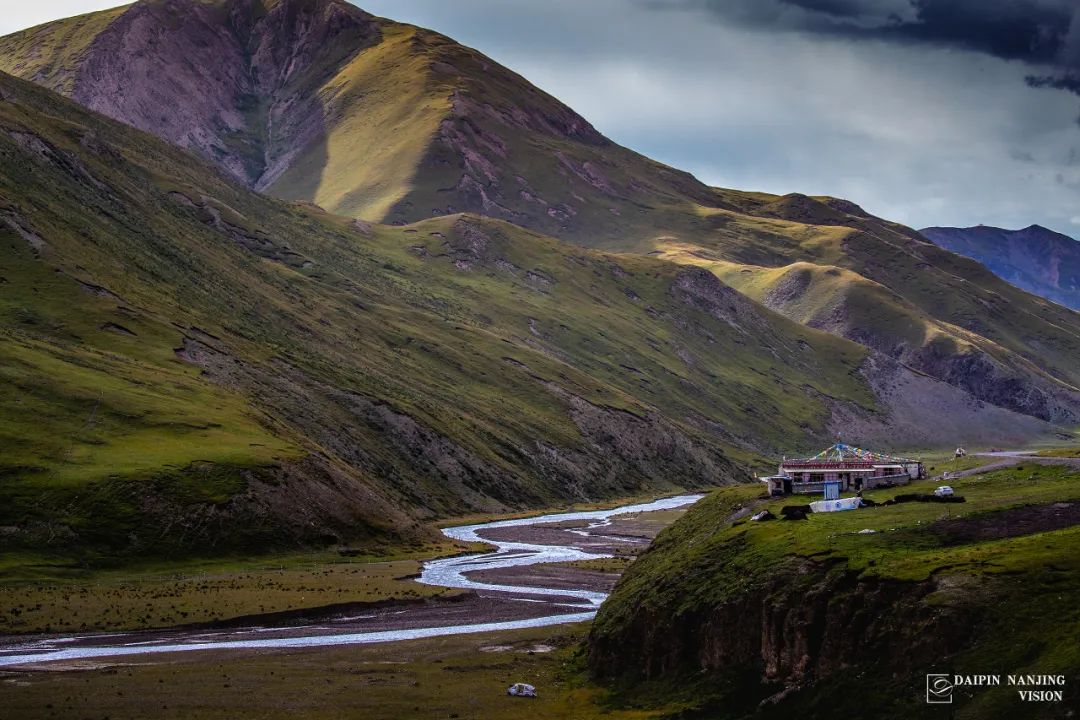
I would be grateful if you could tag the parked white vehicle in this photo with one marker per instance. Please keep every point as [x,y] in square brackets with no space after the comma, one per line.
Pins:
[521,690]
[944,491]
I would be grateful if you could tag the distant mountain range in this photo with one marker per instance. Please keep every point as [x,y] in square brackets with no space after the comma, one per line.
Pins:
[393,281]
[1036,259]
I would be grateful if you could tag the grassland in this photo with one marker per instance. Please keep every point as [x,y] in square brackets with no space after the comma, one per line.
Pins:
[900,548]
[403,124]
[53,52]
[36,596]
[612,564]
[383,108]
[872,282]
[454,677]
[42,593]
[1073,452]
[939,464]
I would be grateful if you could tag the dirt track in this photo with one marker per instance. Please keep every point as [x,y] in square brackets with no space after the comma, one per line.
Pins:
[1014,522]
[1002,461]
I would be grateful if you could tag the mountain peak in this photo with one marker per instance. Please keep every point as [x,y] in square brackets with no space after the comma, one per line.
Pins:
[1036,228]
[234,80]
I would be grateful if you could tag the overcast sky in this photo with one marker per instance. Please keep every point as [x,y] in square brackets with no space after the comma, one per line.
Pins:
[929,112]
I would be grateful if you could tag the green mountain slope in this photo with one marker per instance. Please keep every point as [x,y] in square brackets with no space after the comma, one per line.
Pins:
[193,367]
[827,263]
[315,100]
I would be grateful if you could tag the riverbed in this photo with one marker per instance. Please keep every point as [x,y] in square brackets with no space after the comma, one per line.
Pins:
[511,588]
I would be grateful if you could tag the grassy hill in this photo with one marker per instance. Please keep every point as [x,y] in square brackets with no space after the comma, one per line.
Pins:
[192,367]
[828,264]
[728,618]
[318,101]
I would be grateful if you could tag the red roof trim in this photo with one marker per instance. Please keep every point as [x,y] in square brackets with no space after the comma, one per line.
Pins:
[862,464]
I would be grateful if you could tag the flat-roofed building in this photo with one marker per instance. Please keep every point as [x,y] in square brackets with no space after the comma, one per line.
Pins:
[853,468]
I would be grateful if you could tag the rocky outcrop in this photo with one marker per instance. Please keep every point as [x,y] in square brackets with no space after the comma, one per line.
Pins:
[983,377]
[807,624]
[233,81]
[701,290]
[624,449]
[922,410]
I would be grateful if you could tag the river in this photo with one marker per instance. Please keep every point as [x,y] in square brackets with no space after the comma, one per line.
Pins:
[560,604]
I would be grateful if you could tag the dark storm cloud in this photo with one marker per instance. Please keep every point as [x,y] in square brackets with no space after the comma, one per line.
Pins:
[1044,33]
[1066,81]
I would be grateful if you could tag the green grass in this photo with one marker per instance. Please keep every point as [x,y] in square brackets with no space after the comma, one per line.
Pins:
[75,415]
[37,596]
[611,565]
[452,677]
[53,51]
[938,464]
[1060,452]
[366,160]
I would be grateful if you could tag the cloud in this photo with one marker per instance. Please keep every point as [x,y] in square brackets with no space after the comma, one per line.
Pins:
[1066,81]
[1043,33]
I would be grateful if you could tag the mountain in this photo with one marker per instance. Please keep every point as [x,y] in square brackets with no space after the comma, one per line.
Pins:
[318,101]
[191,367]
[1038,260]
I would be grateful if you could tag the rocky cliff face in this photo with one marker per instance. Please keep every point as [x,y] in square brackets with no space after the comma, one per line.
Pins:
[807,624]
[233,81]
[1038,260]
